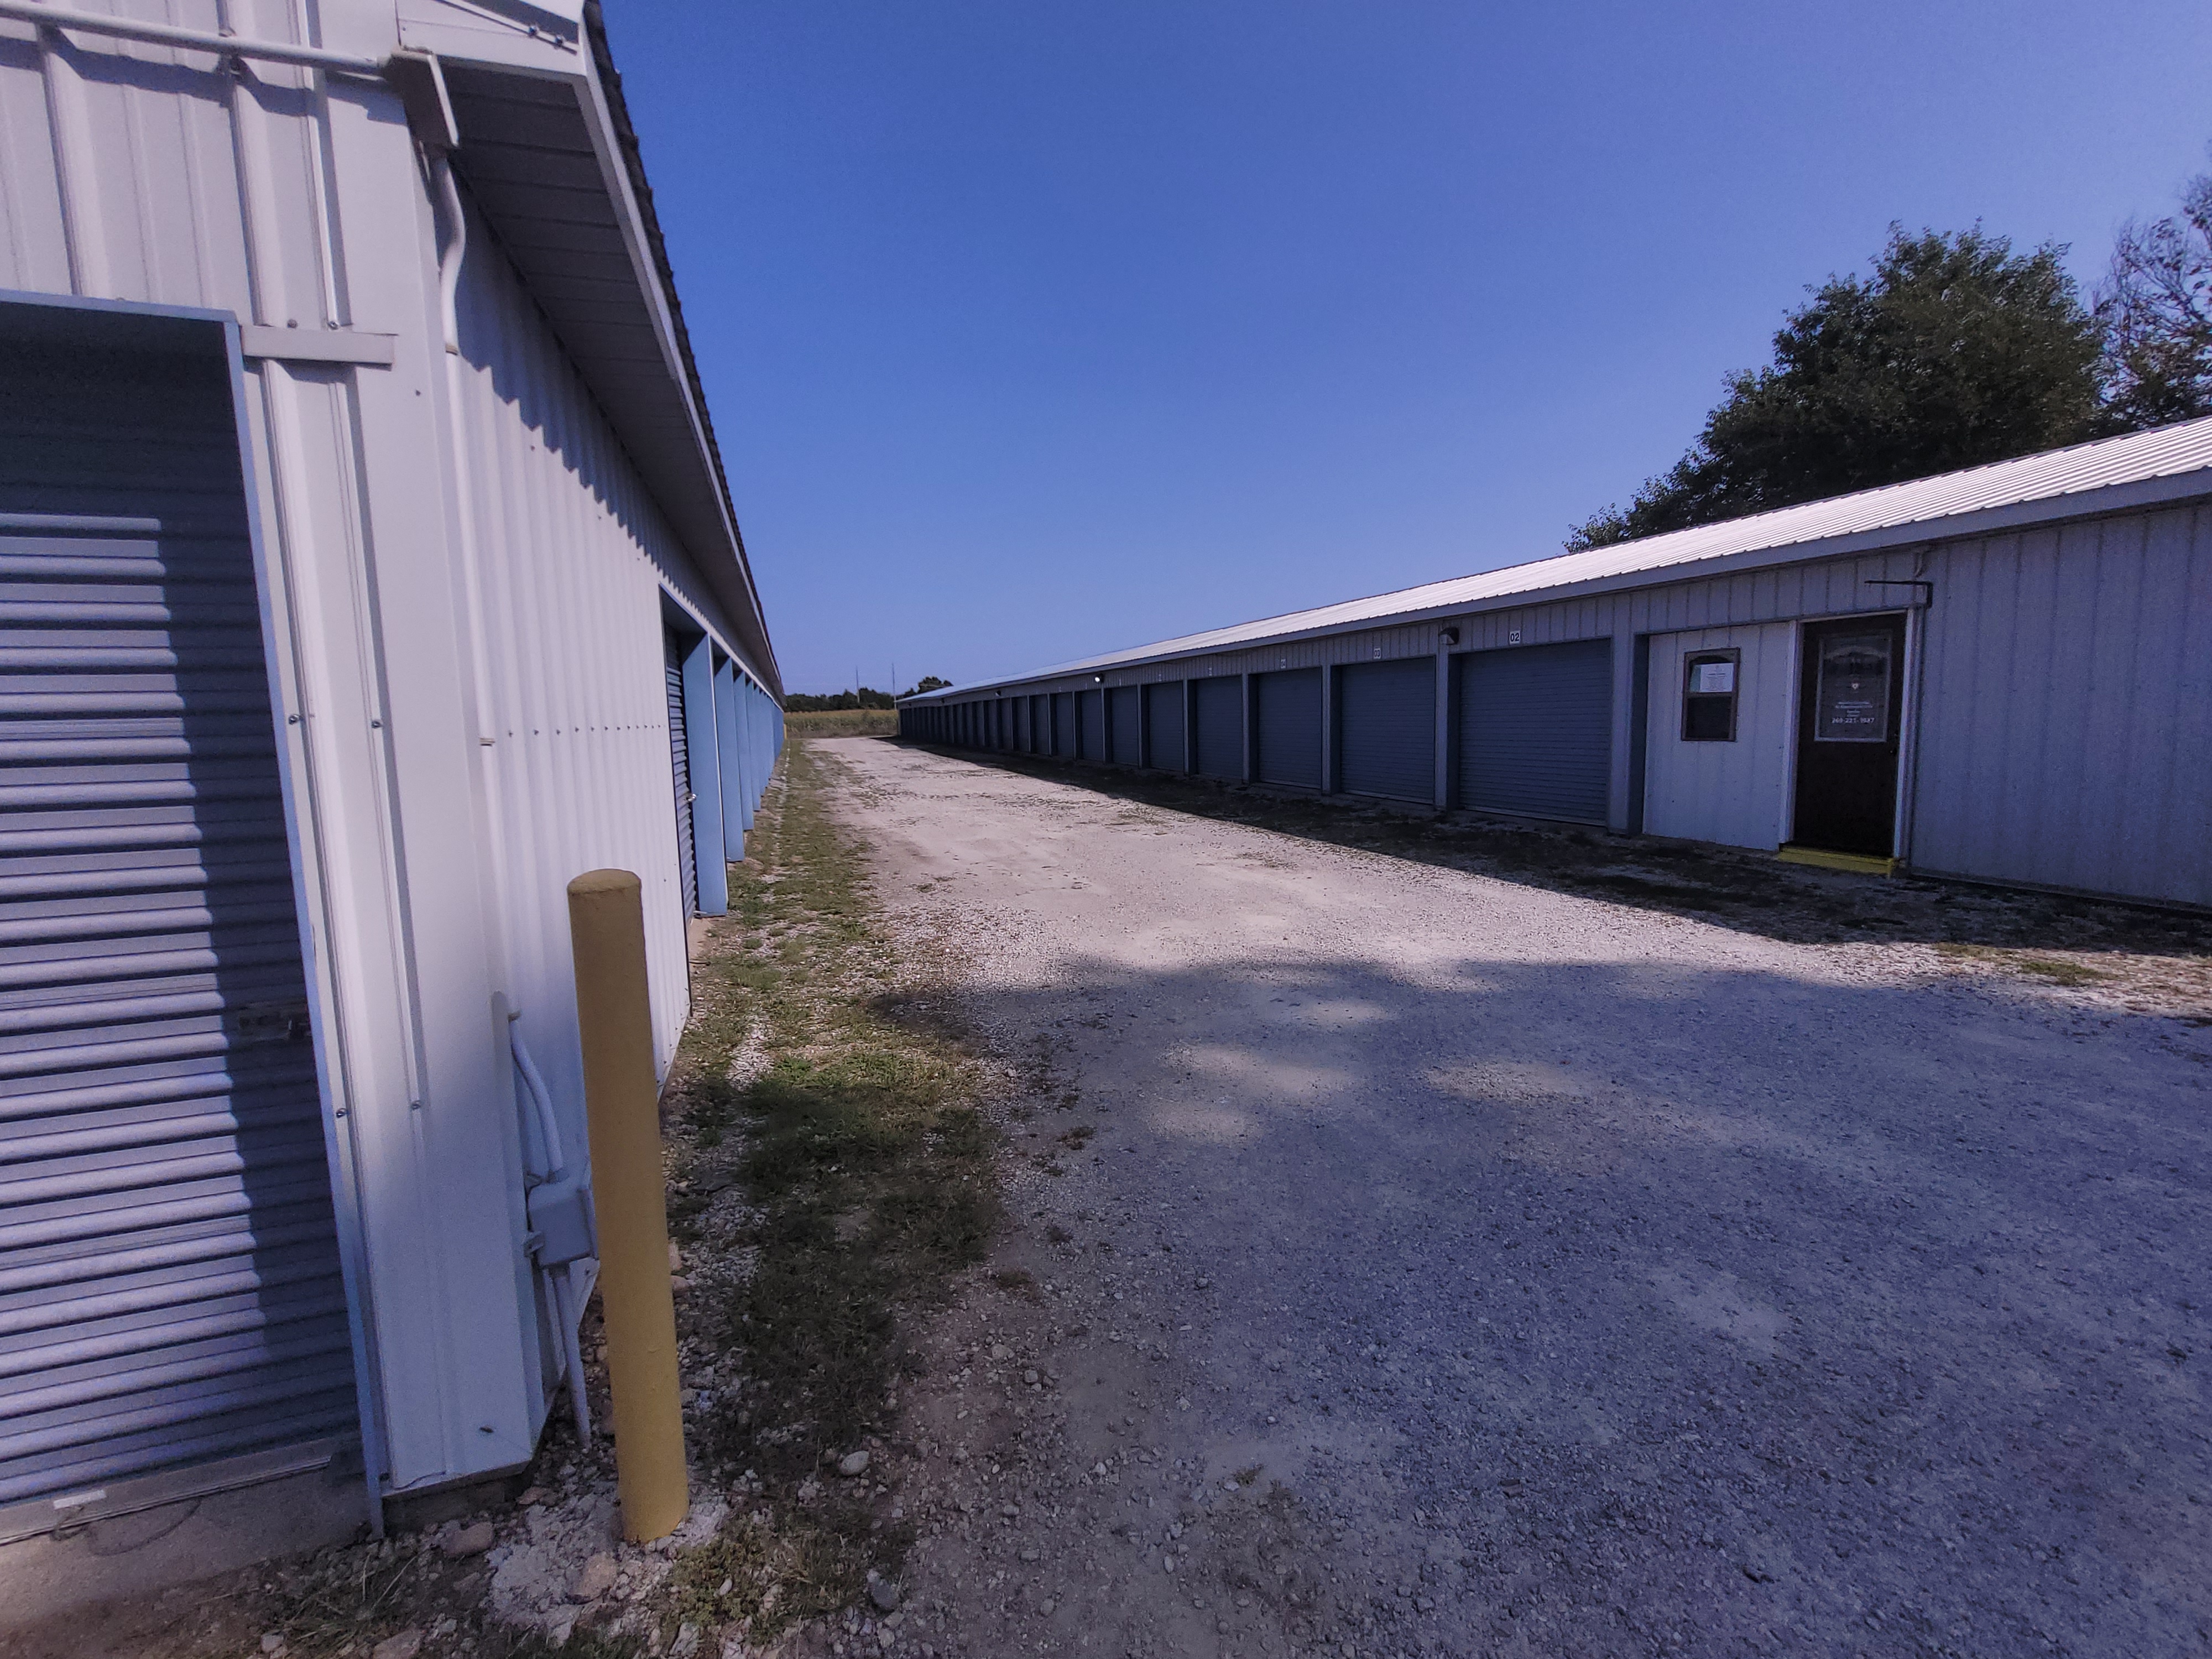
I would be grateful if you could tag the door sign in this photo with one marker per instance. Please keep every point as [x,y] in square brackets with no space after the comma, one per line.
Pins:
[1853,702]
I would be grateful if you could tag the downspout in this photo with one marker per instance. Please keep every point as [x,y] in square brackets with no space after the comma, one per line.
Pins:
[556,1200]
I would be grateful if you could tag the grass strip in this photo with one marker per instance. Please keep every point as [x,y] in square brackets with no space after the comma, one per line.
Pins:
[826,1084]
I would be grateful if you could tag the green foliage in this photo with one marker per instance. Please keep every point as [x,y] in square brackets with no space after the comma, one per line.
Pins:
[2155,305]
[1956,352]
[801,702]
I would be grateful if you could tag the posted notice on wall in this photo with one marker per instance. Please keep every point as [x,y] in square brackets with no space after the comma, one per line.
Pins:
[1852,705]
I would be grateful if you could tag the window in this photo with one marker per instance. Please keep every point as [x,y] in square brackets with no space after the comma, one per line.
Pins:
[1709,688]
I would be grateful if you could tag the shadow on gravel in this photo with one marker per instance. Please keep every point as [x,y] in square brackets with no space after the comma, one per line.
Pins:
[1670,1306]
[1746,890]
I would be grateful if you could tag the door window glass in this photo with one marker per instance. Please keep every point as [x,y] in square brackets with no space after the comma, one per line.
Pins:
[1709,691]
[1853,702]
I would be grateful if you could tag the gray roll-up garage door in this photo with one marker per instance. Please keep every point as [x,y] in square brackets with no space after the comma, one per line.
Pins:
[679,750]
[1535,731]
[170,1292]
[1040,726]
[1387,728]
[1092,713]
[1220,727]
[1063,724]
[1287,721]
[1164,712]
[1123,732]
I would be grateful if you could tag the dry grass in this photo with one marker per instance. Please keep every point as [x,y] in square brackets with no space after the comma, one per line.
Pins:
[869,1176]
[844,723]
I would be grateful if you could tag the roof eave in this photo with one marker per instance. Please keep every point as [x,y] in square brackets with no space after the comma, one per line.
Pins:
[2120,497]
[684,474]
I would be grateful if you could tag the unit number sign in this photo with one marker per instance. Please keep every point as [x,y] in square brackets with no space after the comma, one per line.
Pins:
[1853,703]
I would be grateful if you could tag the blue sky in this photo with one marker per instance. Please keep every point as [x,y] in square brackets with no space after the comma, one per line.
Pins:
[1033,329]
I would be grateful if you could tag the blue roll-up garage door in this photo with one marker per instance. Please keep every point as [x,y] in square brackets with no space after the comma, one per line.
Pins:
[679,750]
[1220,727]
[1536,731]
[1091,718]
[1123,732]
[1387,729]
[170,1291]
[1040,726]
[1164,713]
[1287,721]
[1063,724]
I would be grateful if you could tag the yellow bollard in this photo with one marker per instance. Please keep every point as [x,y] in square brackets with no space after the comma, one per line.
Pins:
[614,1018]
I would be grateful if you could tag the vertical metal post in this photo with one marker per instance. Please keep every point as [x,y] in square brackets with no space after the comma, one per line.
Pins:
[1445,714]
[1244,718]
[1639,731]
[730,739]
[1328,739]
[614,1020]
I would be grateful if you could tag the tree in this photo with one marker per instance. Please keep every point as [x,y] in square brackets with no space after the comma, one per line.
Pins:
[2155,306]
[928,683]
[802,703]
[1955,352]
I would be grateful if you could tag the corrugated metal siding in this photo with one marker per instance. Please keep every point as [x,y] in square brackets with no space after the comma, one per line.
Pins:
[572,554]
[1164,711]
[1090,708]
[170,1288]
[1287,721]
[1536,731]
[2065,710]
[1735,793]
[1387,728]
[1123,731]
[160,176]
[1220,714]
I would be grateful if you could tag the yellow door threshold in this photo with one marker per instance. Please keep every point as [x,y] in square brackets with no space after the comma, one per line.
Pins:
[1867,864]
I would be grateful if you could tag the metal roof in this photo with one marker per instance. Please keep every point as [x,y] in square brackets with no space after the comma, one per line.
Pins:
[2165,464]
[552,160]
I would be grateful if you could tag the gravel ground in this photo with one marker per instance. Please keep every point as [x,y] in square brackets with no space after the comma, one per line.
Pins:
[1411,1261]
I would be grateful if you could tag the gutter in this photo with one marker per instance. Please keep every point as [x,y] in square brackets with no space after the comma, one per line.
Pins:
[223,44]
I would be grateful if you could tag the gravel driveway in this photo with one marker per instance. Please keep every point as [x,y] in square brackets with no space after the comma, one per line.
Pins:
[1423,1263]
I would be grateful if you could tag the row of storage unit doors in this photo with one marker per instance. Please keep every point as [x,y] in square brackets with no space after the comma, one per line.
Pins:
[1530,732]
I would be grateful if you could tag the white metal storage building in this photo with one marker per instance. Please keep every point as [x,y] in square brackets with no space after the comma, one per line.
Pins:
[2003,674]
[366,572]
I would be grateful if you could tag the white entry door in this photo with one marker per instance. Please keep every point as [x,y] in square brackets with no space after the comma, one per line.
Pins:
[1716,755]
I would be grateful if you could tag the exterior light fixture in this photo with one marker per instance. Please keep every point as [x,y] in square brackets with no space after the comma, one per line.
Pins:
[1448,636]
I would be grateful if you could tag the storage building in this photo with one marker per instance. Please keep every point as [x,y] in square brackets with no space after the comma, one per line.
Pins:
[370,572]
[2003,674]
